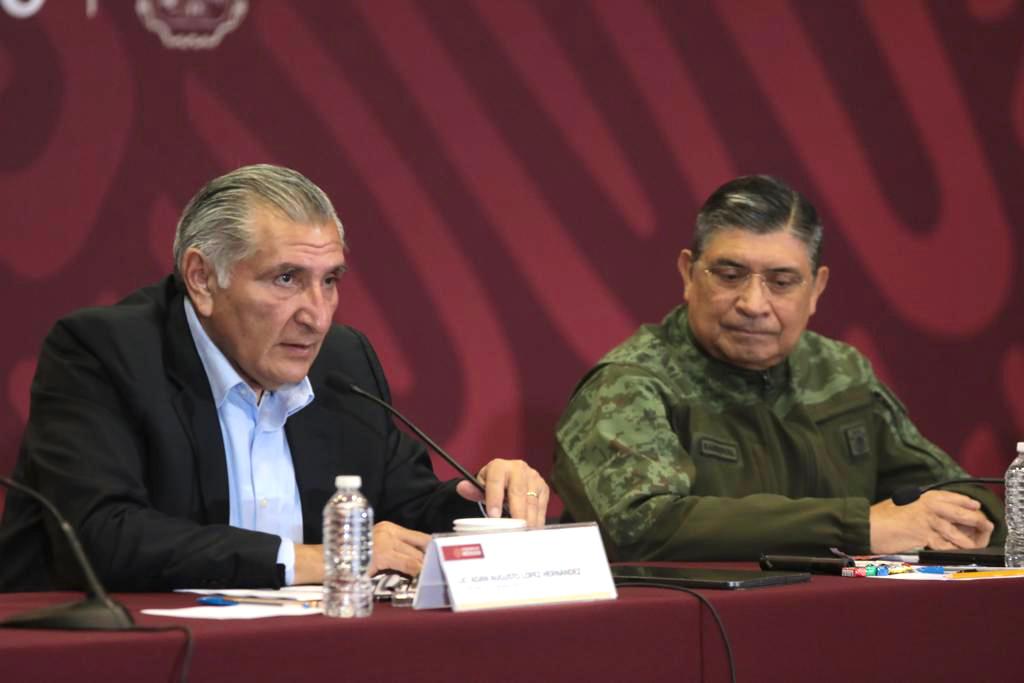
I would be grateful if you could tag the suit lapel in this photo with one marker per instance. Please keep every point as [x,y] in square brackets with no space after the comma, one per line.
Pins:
[198,413]
[312,437]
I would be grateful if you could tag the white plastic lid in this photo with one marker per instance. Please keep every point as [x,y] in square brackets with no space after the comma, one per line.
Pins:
[484,524]
[348,481]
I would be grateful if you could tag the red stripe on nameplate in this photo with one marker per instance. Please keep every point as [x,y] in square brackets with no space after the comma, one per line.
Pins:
[471,551]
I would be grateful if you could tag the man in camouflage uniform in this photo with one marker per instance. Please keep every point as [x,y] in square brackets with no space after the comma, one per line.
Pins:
[728,430]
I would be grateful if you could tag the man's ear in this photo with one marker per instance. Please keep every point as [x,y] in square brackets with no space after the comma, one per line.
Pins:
[200,280]
[685,265]
[820,282]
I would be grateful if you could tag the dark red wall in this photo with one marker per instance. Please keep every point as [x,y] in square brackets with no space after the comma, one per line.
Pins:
[517,178]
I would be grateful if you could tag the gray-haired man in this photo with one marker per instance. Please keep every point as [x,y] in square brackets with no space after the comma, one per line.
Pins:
[187,432]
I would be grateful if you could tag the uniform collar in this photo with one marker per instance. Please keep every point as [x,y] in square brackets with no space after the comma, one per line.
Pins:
[763,382]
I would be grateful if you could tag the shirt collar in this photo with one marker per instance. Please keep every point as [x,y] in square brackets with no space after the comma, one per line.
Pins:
[223,377]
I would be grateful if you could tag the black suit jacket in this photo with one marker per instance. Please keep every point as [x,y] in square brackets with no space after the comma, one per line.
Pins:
[123,436]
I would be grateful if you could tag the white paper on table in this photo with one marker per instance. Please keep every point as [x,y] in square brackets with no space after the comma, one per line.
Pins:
[914,576]
[235,611]
[247,611]
[312,592]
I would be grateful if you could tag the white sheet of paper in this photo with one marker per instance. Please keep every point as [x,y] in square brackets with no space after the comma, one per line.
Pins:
[235,611]
[246,611]
[286,593]
[913,576]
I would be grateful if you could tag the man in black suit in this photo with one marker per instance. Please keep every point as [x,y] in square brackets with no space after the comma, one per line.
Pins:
[187,432]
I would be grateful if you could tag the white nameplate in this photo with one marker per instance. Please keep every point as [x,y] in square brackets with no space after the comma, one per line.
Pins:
[558,563]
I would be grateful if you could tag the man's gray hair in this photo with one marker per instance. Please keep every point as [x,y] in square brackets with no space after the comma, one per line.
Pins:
[759,204]
[217,219]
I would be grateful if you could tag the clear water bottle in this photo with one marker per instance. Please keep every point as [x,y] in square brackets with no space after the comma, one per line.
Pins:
[1015,510]
[348,549]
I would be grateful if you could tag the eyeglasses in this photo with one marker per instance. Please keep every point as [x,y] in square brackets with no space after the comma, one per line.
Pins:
[735,278]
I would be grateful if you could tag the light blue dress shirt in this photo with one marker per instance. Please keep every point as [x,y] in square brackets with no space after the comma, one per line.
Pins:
[263,494]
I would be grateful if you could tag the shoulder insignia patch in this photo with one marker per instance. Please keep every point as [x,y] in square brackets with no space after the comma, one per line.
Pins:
[857,440]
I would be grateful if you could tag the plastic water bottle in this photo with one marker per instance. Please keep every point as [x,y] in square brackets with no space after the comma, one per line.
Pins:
[348,549]
[1014,549]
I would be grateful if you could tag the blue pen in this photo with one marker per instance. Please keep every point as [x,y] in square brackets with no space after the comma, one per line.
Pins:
[931,569]
[215,601]
[223,601]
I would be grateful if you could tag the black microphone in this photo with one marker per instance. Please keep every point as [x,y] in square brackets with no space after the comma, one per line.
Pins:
[909,494]
[96,612]
[343,383]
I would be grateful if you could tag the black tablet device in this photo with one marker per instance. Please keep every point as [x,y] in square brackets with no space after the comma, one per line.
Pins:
[986,557]
[703,577]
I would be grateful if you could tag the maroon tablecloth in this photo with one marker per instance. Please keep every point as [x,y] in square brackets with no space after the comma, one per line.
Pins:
[644,636]
[846,629]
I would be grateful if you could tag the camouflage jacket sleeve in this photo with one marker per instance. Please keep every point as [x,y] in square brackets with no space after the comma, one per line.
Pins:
[619,462]
[909,459]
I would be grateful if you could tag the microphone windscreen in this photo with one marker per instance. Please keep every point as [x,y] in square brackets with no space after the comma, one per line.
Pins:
[906,496]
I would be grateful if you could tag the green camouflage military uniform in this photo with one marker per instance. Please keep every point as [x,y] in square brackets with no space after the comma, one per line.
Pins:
[680,456]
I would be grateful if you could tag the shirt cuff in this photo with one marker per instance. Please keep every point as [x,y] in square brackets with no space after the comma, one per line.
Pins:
[286,557]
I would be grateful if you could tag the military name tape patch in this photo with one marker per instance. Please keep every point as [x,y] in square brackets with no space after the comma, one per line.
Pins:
[721,450]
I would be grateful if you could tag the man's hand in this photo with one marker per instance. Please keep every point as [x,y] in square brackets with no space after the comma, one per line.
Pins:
[394,547]
[938,519]
[398,548]
[309,563]
[515,483]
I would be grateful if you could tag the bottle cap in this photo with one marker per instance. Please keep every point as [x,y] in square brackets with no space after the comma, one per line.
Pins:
[348,481]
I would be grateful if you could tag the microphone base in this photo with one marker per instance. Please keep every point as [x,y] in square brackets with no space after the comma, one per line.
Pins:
[90,614]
